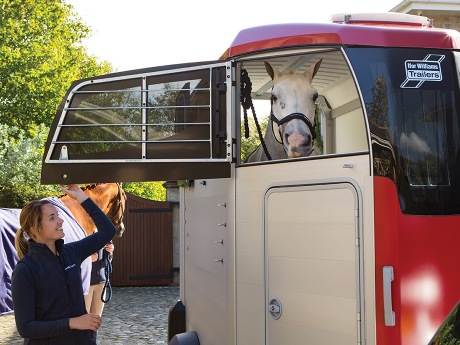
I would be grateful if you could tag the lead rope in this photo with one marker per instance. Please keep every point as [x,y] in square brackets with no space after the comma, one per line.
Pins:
[107,285]
[246,103]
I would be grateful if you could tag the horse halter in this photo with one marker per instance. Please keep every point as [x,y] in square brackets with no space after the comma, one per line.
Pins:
[119,198]
[120,229]
[278,123]
[107,285]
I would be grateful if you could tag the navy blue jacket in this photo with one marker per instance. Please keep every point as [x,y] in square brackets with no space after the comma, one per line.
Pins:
[47,289]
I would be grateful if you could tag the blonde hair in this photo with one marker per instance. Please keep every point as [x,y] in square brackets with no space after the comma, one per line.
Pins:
[30,218]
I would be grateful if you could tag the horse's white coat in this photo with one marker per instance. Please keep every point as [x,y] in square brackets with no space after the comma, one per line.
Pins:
[291,93]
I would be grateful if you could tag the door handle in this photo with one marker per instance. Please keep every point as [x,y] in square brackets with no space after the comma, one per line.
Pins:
[387,301]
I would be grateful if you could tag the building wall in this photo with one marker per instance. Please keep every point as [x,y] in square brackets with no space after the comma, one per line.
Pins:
[444,13]
[172,196]
[447,22]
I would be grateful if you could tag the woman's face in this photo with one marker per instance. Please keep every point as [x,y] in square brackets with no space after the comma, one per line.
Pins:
[51,225]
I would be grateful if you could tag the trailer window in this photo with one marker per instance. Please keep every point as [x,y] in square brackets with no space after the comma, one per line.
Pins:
[329,100]
[412,101]
[158,122]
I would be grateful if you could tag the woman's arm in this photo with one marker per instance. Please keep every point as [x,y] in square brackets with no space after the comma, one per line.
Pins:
[106,230]
[104,234]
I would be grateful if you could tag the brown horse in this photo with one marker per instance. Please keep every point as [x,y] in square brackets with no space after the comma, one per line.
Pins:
[111,199]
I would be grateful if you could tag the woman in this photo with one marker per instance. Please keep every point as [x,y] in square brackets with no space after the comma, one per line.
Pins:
[48,300]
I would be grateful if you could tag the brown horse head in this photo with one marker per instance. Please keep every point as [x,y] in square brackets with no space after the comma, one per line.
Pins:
[111,199]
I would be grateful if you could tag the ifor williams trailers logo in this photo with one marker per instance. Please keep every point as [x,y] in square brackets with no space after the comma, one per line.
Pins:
[420,71]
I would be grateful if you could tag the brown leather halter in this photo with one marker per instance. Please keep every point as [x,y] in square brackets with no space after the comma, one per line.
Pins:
[117,216]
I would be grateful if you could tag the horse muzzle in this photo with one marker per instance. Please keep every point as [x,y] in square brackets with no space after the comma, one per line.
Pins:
[295,144]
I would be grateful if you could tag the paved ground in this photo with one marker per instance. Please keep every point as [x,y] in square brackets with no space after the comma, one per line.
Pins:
[134,316]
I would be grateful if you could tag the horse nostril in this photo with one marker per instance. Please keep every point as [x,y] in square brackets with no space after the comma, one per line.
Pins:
[297,140]
[286,138]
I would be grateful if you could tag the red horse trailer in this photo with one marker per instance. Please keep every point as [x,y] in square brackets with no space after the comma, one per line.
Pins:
[343,228]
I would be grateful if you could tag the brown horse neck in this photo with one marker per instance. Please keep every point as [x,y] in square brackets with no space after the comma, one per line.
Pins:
[79,214]
[110,198]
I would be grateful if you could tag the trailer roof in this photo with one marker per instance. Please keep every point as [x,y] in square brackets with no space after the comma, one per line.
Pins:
[382,30]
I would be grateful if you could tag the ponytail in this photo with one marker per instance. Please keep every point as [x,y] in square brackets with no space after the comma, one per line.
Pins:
[21,243]
[30,218]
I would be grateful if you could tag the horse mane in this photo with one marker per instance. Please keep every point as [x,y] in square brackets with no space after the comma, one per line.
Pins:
[90,186]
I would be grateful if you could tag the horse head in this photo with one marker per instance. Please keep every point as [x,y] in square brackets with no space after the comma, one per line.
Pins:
[293,109]
[117,210]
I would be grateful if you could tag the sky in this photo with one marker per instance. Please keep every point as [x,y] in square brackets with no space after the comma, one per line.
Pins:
[145,33]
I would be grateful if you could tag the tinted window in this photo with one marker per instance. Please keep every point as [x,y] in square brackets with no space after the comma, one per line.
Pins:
[412,98]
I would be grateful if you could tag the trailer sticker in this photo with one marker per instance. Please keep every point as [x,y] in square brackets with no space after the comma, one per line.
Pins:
[420,71]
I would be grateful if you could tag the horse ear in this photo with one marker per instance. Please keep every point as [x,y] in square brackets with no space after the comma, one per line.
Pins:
[311,72]
[270,70]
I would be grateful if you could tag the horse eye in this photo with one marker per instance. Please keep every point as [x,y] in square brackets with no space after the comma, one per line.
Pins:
[274,99]
[315,96]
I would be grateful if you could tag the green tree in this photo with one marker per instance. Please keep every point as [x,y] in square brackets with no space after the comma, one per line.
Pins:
[20,174]
[40,55]
[250,144]
[21,153]
[149,190]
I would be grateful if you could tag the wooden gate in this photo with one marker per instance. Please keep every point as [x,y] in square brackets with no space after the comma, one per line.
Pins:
[143,256]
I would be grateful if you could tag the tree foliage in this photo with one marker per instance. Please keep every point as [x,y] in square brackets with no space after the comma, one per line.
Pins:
[248,145]
[20,174]
[377,107]
[40,55]
[21,153]
[148,190]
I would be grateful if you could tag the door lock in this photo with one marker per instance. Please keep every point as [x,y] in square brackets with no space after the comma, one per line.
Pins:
[274,308]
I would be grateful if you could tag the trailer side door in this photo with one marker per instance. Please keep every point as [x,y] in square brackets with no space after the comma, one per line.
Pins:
[312,265]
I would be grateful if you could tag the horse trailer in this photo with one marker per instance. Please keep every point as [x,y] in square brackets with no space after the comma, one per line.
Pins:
[344,229]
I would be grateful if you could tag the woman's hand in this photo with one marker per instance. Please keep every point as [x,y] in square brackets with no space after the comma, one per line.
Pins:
[75,192]
[94,257]
[86,321]
[109,247]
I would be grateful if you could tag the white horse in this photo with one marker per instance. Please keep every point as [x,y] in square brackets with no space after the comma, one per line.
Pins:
[291,131]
